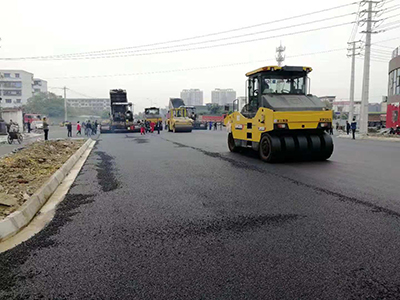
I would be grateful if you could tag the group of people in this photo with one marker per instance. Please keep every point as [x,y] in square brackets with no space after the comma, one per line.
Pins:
[214,125]
[395,130]
[146,126]
[89,128]
[352,127]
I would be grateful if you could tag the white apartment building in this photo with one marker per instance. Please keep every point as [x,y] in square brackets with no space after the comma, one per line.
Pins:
[39,85]
[223,96]
[98,104]
[192,97]
[340,107]
[16,87]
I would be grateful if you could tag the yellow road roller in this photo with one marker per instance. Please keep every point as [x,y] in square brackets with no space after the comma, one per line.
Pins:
[279,118]
[178,120]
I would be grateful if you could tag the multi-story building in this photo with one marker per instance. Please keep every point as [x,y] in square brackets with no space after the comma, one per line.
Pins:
[223,96]
[15,87]
[393,100]
[97,104]
[192,97]
[343,107]
[39,85]
[328,100]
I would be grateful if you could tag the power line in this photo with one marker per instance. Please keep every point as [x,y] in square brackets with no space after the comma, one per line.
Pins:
[383,41]
[375,45]
[78,93]
[226,38]
[114,54]
[193,68]
[354,30]
[196,48]
[201,36]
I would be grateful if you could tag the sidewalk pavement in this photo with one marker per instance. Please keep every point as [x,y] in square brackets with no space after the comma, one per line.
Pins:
[370,137]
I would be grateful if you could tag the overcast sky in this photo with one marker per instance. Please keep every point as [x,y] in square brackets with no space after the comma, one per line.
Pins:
[48,27]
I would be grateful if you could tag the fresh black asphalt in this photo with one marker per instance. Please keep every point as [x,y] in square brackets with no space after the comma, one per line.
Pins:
[177,216]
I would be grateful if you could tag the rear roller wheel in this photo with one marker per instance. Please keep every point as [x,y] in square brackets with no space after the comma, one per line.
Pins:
[270,148]
[327,146]
[231,144]
[290,147]
[315,142]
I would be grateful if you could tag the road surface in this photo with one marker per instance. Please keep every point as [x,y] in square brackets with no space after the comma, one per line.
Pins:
[177,216]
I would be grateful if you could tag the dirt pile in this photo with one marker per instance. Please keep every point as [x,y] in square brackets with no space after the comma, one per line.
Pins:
[22,173]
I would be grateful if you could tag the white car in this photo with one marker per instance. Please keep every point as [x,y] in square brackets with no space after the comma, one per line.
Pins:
[37,125]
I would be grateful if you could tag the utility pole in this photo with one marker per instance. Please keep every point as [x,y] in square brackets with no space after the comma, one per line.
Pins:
[65,104]
[352,77]
[367,65]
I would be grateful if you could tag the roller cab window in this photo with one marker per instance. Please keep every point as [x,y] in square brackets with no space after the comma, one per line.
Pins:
[275,84]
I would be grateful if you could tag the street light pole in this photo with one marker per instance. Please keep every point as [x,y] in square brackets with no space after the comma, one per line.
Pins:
[367,65]
[65,104]
[352,78]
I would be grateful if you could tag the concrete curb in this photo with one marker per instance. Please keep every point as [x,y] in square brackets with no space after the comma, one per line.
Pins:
[13,223]
[374,138]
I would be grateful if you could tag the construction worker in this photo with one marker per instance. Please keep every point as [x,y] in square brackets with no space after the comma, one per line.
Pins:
[354,127]
[69,129]
[142,129]
[45,129]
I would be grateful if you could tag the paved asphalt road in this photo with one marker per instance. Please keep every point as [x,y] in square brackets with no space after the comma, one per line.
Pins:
[177,216]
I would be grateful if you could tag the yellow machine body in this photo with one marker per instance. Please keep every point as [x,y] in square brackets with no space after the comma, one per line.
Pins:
[280,119]
[178,120]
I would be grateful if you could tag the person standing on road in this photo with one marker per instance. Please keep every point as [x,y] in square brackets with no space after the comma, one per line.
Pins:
[348,127]
[215,126]
[45,129]
[142,129]
[210,125]
[95,127]
[29,125]
[354,127]
[69,129]
[78,128]
[84,127]
[159,127]
[88,129]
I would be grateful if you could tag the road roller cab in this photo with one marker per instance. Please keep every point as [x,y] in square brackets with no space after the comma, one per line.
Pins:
[178,120]
[279,118]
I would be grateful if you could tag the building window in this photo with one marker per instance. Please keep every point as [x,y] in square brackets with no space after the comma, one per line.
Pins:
[397,82]
[18,101]
[12,84]
[16,75]
[8,101]
[7,75]
[12,93]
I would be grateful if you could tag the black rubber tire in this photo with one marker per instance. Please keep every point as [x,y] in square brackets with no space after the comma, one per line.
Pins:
[327,146]
[20,138]
[270,148]
[231,144]
[9,140]
[302,144]
[174,130]
[290,147]
[315,145]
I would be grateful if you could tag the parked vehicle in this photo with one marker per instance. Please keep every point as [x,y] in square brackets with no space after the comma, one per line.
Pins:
[14,134]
